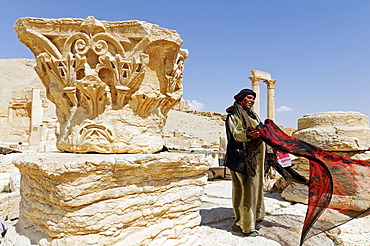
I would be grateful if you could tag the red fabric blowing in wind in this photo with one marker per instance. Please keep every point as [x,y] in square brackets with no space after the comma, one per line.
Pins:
[339,187]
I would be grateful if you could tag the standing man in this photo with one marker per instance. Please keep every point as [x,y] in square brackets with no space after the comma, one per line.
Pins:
[245,156]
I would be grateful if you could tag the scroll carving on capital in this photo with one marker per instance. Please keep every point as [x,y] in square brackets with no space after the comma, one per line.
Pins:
[113,83]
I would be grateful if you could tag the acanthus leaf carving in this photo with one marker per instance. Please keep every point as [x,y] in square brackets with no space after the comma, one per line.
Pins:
[107,73]
[174,83]
[128,74]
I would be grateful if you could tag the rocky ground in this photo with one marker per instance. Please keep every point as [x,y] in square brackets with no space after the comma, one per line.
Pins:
[282,224]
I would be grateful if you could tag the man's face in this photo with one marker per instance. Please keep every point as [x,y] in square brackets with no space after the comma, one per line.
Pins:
[248,102]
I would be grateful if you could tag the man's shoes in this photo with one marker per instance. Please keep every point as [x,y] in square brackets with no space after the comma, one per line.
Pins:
[257,226]
[250,234]
[236,228]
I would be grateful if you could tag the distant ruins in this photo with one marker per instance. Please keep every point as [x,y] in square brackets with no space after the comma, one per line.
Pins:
[27,121]
[257,76]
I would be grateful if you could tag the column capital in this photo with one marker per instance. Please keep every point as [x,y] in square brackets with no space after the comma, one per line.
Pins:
[270,83]
[255,80]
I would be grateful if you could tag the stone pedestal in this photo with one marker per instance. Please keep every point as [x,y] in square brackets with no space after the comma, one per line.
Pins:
[116,199]
[335,130]
[345,134]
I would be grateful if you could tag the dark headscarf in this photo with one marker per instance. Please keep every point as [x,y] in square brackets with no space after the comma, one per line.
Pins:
[240,96]
[243,93]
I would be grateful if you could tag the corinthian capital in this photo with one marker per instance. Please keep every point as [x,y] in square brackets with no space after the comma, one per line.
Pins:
[112,82]
[270,83]
[255,80]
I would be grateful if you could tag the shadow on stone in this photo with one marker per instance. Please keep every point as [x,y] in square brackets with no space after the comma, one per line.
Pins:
[220,218]
[274,227]
[266,223]
[283,228]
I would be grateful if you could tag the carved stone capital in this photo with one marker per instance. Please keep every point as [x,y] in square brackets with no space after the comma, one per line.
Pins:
[112,82]
[270,83]
[255,80]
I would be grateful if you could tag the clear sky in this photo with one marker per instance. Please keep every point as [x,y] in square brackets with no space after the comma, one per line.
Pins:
[317,50]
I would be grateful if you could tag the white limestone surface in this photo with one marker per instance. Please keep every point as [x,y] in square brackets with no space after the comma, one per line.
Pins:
[117,199]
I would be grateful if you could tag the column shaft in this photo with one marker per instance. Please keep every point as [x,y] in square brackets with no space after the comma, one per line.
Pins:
[270,99]
[256,88]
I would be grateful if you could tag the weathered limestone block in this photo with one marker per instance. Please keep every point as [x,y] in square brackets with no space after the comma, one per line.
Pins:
[9,205]
[296,193]
[97,199]
[113,83]
[15,179]
[335,131]
[362,155]
[348,132]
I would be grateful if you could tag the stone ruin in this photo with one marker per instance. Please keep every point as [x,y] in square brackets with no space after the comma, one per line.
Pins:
[113,84]
[27,120]
[342,133]
[256,77]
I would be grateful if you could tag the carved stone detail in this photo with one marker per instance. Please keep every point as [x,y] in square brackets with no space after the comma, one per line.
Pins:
[113,83]
[270,83]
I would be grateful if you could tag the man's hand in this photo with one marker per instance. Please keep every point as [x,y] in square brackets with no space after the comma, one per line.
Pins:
[253,133]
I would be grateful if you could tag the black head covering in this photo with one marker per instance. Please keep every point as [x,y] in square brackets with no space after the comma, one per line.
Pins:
[243,93]
[240,96]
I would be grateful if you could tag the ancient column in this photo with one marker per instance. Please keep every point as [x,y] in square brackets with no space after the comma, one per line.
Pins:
[266,78]
[270,98]
[256,88]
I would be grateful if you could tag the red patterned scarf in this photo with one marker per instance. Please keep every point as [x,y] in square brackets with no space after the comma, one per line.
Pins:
[339,187]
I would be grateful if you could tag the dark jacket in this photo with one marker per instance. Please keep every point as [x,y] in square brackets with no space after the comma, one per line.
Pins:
[240,156]
[235,152]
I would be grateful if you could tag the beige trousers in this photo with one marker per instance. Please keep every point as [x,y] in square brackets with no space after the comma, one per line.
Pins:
[247,198]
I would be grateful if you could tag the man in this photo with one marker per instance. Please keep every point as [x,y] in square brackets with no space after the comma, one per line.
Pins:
[245,157]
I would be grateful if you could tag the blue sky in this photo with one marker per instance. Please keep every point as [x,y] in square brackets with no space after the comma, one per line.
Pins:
[317,50]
